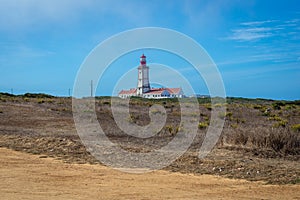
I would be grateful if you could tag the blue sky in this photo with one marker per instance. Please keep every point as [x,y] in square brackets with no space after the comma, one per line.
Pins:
[255,44]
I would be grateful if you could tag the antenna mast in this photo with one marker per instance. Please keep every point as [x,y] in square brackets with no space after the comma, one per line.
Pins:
[91,88]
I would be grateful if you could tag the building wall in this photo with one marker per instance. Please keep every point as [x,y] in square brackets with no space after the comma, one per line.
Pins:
[162,95]
[143,80]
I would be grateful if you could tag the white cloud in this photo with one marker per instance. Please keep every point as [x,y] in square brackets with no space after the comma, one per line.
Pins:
[255,23]
[272,57]
[257,30]
[248,34]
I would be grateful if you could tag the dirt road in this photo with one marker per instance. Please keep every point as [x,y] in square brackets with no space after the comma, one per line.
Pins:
[26,176]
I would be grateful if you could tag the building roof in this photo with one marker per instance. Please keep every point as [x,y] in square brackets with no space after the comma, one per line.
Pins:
[156,91]
[131,91]
[143,56]
[174,90]
[160,90]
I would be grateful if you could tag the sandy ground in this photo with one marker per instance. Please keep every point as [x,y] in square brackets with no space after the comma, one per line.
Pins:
[26,176]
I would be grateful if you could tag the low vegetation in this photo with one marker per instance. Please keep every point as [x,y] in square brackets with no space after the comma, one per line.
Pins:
[296,127]
[257,128]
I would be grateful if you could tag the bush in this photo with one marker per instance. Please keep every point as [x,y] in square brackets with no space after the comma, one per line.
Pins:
[41,101]
[203,125]
[285,141]
[131,118]
[169,128]
[281,123]
[275,118]
[296,127]
[257,107]
[155,111]
[208,106]
[229,114]
[106,103]
[2,99]
[277,105]
[5,94]
[26,99]
[241,138]
[38,95]
[233,125]
[204,100]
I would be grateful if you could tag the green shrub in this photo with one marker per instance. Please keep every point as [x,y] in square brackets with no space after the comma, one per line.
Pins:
[2,99]
[50,101]
[281,123]
[172,130]
[296,127]
[218,105]
[106,103]
[266,111]
[207,106]
[26,99]
[202,114]
[155,111]
[132,118]
[178,128]
[169,128]
[5,94]
[40,101]
[204,100]
[234,125]
[258,107]
[229,114]
[289,107]
[38,95]
[277,105]
[202,125]
[238,120]
[275,118]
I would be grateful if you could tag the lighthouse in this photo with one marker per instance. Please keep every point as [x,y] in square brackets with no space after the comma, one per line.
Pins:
[143,86]
[143,77]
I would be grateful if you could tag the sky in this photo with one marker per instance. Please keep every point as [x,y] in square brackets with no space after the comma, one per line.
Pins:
[255,43]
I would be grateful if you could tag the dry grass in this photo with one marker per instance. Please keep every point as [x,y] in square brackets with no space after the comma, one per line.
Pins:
[265,130]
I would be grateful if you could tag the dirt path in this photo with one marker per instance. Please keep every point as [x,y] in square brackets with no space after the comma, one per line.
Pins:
[25,176]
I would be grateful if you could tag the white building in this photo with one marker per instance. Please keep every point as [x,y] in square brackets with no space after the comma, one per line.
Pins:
[143,87]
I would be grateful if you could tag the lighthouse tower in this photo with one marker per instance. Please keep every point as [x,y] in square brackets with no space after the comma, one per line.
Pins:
[143,77]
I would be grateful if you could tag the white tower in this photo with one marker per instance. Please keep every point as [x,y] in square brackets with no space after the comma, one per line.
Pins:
[143,77]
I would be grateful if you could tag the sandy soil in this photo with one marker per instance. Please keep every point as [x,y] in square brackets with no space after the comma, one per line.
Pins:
[27,176]
[45,126]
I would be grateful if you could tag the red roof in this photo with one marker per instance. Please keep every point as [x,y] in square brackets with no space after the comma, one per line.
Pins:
[160,90]
[143,56]
[174,90]
[131,91]
[156,90]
